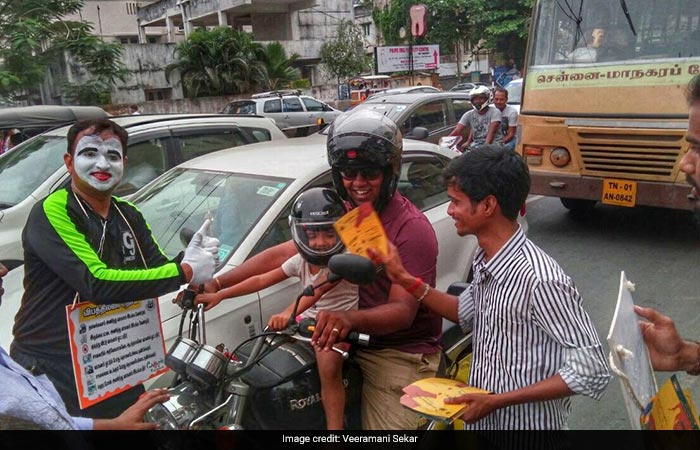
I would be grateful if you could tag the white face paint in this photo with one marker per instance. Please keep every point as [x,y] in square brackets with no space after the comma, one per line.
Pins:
[98,162]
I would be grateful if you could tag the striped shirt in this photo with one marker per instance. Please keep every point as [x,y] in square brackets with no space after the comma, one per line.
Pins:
[529,324]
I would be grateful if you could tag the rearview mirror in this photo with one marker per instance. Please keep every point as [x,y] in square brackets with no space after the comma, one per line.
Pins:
[418,133]
[354,268]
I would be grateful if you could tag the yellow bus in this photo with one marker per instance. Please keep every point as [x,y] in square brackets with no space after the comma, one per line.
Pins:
[603,114]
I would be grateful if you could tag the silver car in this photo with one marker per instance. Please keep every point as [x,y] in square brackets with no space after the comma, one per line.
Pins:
[295,114]
[424,115]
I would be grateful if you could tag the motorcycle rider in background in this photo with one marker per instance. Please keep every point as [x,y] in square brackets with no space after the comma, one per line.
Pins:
[484,120]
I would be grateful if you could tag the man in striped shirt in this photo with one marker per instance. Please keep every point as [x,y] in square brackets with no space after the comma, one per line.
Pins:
[534,344]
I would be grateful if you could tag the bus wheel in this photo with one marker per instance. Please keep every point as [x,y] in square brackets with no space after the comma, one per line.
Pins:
[578,206]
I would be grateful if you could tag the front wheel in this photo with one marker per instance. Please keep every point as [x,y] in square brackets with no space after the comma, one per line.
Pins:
[578,206]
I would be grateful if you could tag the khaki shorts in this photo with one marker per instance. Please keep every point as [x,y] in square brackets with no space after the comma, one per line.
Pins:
[385,373]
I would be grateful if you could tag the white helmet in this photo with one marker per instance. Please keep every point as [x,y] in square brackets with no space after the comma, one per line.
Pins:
[482,91]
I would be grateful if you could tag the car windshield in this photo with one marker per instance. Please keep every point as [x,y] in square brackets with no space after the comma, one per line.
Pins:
[178,202]
[602,31]
[27,166]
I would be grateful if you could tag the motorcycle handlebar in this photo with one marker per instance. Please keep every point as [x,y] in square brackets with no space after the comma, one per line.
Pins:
[307,327]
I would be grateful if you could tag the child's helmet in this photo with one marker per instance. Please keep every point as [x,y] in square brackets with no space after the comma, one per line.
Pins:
[315,211]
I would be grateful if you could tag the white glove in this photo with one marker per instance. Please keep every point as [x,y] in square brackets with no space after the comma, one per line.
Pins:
[202,258]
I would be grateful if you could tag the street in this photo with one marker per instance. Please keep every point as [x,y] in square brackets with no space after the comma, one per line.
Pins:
[657,248]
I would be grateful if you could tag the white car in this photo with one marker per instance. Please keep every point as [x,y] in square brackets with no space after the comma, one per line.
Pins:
[249,192]
[294,113]
[515,93]
[157,143]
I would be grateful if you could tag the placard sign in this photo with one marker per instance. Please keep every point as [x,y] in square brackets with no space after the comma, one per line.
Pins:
[395,59]
[114,347]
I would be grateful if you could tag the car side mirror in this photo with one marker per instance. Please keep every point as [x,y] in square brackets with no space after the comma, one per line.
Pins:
[418,133]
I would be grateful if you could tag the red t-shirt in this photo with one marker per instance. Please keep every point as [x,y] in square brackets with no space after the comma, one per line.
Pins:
[411,232]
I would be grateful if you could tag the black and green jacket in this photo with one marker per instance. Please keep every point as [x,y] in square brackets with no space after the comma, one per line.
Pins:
[61,257]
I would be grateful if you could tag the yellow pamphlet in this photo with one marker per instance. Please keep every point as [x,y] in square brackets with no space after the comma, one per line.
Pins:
[427,397]
[671,409]
[361,229]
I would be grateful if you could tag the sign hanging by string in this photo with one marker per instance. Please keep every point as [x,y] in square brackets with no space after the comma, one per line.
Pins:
[114,347]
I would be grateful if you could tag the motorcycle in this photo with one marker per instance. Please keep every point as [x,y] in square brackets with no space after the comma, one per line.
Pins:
[269,381]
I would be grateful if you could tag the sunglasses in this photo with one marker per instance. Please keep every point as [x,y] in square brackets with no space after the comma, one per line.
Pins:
[368,173]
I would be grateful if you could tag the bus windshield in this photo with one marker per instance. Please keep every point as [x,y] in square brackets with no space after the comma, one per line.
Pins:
[582,32]
[615,59]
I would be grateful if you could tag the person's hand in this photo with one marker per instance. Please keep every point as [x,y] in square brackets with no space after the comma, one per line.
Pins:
[666,348]
[278,321]
[331,327]
[209,300]
[393,267]
[478,405]
[132,418]
[201,259]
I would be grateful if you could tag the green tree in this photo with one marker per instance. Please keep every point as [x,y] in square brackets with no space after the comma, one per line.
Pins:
[343,55]
[499,25]
[225,61]
[33,34]
[280,73]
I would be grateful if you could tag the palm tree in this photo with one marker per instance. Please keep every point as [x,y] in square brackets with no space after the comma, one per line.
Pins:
[220,61]
[280,73]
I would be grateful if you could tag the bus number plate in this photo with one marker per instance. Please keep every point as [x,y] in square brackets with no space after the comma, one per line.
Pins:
[619,192]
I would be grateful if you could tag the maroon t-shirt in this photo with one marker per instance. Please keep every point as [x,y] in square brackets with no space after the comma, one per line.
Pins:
[411,232]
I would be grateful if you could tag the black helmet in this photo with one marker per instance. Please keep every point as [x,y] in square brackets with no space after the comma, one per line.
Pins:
[366,139]
[315,211]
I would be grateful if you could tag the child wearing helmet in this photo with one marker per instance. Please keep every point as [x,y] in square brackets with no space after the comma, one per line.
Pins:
[311,221]
[484,120]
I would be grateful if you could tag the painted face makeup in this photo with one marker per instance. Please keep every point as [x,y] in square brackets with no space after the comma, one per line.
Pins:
[99,163]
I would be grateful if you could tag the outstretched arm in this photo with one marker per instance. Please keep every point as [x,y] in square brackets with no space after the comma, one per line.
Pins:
[264,261]
[248,286]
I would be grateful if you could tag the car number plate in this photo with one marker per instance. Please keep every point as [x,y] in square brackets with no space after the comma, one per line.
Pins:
[619,192]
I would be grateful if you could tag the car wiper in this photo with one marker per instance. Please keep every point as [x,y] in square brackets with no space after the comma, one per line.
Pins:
[574,17]
[623,4]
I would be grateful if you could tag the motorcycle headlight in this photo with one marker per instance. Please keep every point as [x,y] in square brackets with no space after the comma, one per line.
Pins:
[185,405]
[160,415]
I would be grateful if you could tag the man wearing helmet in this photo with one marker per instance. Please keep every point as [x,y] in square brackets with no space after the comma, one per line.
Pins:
[364,151]
[483,121]
[313,214]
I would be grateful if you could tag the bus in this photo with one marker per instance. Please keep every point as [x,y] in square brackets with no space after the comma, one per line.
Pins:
[603,114]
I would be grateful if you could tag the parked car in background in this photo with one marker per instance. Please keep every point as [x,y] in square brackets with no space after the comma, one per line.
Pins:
[405,90]
[33,120]
[515,93]
[422,116]
[250,199]
[294,114]
[157,143]
[466,87]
